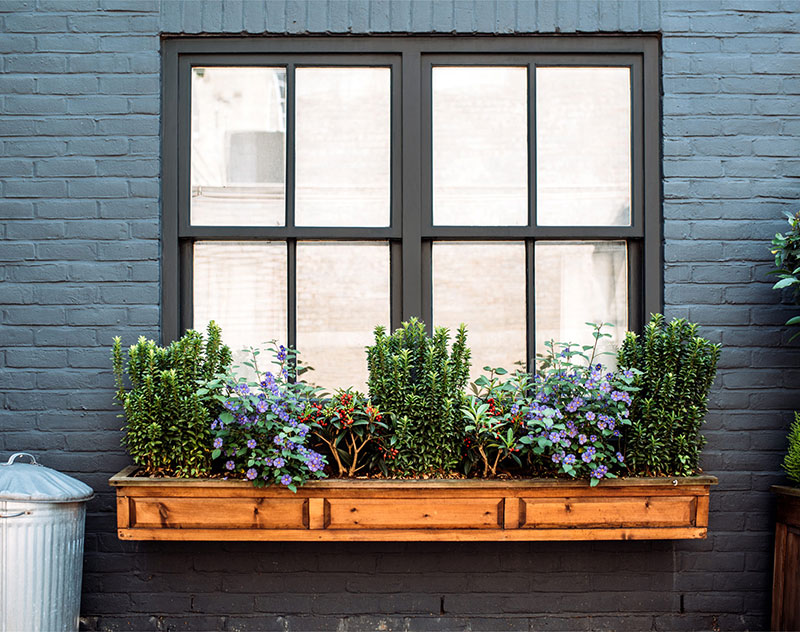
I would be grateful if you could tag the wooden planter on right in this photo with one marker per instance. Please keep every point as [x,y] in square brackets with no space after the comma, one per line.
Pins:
[786,580]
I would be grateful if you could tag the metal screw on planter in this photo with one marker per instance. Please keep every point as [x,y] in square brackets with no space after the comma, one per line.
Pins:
[42,516]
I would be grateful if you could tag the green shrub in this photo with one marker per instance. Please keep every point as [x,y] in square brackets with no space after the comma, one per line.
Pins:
[419,387]
[791,463]
[677,369]
[168,429]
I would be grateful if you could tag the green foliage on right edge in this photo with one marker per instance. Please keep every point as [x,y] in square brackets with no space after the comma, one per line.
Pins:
[791,464]
[677,368]
[168,429]
[419,386]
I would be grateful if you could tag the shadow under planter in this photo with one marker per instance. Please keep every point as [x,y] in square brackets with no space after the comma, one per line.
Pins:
[412,510]
[786,580]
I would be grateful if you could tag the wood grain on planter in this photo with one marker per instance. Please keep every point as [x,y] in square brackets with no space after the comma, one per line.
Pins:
[406,510]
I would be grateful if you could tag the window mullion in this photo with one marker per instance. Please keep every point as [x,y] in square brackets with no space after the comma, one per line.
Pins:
[411,183]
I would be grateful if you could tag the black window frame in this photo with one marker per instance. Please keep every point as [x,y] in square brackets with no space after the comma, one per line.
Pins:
[411,231]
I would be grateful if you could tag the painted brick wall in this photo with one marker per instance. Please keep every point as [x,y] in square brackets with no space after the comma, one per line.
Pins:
[79,199]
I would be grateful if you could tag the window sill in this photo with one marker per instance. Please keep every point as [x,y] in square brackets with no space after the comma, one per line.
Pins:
[412,510]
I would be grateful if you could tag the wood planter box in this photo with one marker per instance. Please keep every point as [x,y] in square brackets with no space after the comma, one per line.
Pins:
[400,510]
[786,580]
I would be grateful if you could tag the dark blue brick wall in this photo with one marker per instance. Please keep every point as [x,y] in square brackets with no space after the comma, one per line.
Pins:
[79,200]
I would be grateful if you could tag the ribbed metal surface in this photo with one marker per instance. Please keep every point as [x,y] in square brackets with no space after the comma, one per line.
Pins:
[41,558]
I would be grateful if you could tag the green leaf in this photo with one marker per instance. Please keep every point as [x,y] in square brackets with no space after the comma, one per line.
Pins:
[785,283]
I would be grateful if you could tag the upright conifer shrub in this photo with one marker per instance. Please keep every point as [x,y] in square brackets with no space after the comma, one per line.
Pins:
[677,368]
[168,424]
[418,385]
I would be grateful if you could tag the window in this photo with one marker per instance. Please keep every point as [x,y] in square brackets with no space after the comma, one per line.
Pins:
[316,187]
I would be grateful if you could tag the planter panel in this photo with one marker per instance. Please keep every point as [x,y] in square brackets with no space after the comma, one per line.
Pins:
[395,510]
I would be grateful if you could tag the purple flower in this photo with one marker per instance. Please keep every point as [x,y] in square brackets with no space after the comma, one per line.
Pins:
[620,458]
[230,465]
[556,458]
[251,443]
[251,473]
[262,406]
[588,455]
[515,409]
[582,438]
[575,404]
[218,443]
[590,416]
[286,479]
[554,437]
[600,472]
[593,438]
[627,373]
[569,459]
[278,462]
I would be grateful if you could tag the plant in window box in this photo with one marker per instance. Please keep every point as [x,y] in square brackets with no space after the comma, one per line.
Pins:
[563,421]
[418,385]
[260,435]
[167,416]
[674,371]
[349,429]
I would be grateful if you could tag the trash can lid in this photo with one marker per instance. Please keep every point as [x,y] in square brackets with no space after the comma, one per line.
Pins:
[36,483]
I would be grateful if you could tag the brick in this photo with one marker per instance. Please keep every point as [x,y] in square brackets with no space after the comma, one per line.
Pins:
[55,209]
[66,43]
[35,188]
[34,105]
[98,188]
[66,167]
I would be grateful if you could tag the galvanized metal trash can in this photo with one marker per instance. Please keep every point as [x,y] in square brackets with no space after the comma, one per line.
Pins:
[42,516]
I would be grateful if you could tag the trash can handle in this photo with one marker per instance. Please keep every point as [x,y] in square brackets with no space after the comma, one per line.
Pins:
[14,457]
[16,515]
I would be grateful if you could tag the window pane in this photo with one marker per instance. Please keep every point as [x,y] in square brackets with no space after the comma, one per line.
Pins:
[242,286]
[343,144]
[580,282]
[238,146]
[483,286]
[342,294]
[480,146]
[583,146]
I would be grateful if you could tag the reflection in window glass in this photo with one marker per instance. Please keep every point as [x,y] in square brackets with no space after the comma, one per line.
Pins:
[342,294]
[583,146]
[343,144]
[242,286]
[580,282]
[483,286]
[238,146]
[480,145]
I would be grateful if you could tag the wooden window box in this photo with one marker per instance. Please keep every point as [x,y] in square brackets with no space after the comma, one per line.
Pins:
[406,510]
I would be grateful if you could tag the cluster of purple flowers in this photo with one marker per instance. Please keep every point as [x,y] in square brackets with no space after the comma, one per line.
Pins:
[260,433]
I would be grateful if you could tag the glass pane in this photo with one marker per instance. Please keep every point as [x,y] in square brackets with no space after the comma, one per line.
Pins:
[342,294]
[238,146]
[583,146]
[242,286]
[579,282]
[342,159]
[483,286]
[480,146]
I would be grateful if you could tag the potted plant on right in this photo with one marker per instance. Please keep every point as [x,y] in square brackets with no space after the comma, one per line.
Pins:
[786,578]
